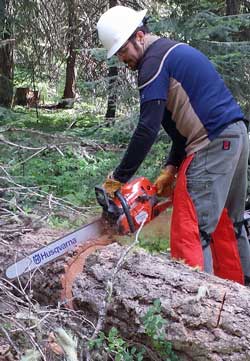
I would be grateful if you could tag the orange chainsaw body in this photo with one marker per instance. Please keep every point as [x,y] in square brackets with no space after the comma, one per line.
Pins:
[134,203]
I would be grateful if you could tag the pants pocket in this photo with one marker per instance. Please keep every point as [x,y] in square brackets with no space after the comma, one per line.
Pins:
[200,193]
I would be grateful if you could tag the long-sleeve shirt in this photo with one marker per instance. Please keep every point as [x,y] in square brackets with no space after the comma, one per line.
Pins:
[181,90]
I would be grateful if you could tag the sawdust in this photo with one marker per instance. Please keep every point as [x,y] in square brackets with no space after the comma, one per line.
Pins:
[157,229]
[76,264]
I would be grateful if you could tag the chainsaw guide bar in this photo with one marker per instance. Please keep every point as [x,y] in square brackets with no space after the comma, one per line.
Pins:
[55,249]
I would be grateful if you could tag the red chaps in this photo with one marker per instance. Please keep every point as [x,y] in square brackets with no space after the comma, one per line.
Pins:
[185,239]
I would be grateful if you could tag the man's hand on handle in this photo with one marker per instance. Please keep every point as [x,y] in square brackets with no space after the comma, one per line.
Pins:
[165,183]
[111,185]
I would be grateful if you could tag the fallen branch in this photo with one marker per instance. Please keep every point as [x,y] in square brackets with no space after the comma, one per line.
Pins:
[3,43]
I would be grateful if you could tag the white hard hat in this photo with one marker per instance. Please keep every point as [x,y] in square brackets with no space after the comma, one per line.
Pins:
[116,25]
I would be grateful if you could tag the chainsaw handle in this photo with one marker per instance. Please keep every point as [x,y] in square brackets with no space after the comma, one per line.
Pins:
[125,208]
[161,206]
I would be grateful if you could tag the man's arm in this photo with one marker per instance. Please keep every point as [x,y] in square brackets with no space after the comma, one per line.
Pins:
[151,115]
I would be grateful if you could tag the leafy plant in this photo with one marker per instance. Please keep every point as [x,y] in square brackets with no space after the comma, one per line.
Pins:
[155,327]
[154,244]
[114,345]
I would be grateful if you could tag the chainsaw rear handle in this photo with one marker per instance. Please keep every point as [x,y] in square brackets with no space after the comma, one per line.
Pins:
[125,208]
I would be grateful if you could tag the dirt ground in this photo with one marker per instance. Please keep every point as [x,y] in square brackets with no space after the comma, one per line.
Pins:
[159,227]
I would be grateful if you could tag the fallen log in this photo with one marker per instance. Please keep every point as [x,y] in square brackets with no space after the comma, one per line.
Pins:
[207,317]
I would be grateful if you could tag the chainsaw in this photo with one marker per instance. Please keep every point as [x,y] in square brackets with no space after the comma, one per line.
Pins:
[134,203]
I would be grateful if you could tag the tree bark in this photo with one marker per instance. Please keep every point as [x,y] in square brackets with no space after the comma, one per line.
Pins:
[232,7]
[6,58]
[69,90]
[111,109]
[112,74]
[207,317]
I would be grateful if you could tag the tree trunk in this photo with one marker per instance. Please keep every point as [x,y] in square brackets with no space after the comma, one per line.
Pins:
[207,317]
[26,97]
[111,109]
[232,7]
[6,58]
[69,90]
[112,74]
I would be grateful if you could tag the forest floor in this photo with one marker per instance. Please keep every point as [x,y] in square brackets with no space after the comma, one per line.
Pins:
[16,304]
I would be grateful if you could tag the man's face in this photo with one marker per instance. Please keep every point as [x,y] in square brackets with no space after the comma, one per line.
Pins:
[132,51]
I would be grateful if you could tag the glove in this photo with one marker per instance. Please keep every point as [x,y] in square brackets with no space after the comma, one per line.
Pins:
[111,185]
[165,183]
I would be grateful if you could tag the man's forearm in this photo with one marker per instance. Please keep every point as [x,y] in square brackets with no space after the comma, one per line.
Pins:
[136,152]
[151,115]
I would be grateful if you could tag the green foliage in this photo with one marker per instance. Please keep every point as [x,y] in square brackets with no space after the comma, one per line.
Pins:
[216,28]
[23,76]
[155,327]
[51,121]
[154,162]
[68,177]
[6,116]
[153,243]
[72,173]
[115,346]
[183,8]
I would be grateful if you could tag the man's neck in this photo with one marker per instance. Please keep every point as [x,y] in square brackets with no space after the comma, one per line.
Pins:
[149,39]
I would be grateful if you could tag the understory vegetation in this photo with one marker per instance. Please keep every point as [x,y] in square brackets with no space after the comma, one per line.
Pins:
[43,156]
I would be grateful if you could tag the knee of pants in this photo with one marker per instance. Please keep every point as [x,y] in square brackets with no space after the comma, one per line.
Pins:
[238,228]
[205,239]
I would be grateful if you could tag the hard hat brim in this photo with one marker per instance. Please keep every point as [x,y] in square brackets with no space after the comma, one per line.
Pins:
[126,36]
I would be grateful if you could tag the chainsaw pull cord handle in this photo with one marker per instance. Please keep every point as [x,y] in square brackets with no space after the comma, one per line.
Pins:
[125,208]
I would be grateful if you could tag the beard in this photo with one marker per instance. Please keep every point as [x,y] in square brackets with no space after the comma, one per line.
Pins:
[133,63]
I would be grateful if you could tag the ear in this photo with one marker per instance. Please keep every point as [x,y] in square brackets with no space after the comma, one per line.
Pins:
[140,36]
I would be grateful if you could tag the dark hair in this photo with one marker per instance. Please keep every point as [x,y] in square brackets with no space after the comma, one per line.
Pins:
[144,28]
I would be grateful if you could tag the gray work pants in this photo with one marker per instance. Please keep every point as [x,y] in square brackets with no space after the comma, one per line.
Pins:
[217,179]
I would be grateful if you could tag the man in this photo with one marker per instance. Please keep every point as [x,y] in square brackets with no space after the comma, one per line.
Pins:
[181,90]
